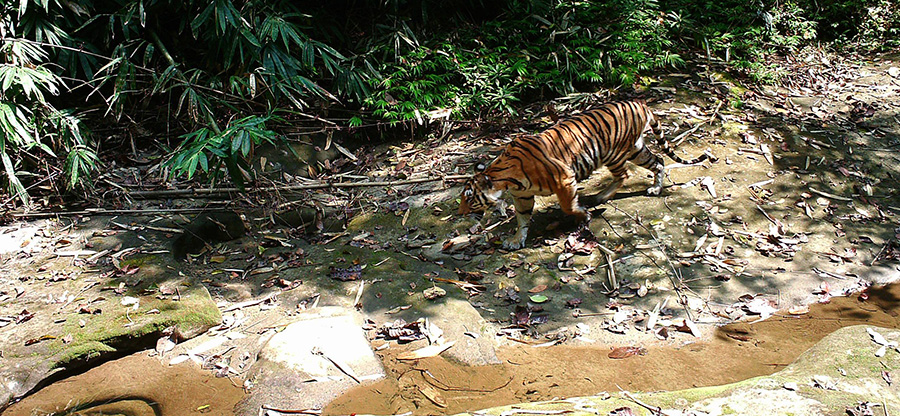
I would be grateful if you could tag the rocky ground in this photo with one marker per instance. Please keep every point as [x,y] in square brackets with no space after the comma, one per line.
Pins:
[801,206]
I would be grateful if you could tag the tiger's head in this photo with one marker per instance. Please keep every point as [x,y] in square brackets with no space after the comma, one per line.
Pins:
[478,194]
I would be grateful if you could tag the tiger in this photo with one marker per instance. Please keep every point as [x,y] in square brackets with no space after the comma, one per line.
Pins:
[552,162]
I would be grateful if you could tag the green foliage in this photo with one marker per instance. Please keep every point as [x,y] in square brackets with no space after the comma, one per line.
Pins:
[879,27]
[207,151]
[28,120]
[204,58]
[750,31]
[533,49]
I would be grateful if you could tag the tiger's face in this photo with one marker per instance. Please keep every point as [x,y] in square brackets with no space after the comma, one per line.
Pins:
[477,194]
[472,199]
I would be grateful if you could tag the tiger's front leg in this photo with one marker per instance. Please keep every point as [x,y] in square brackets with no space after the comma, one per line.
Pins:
[524,208]
[568,201]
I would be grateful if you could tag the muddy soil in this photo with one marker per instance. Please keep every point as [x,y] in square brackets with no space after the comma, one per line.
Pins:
[736,352]
[136,385]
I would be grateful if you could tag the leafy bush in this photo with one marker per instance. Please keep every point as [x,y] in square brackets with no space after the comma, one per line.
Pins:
[221,69]
[879,27]
[28,120]
[533,49]
[207,58]
[206,150]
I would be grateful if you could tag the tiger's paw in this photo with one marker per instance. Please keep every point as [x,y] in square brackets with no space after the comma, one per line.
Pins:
[581,215]
[515,242]
[654,190]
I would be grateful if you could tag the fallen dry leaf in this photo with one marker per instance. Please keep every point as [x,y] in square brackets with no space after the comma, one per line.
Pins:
[538,289]
[460,243]
[429,351]
[619,353]
[690,327]
[799,310]
[434,292]
[432,394]
[346,274]
[622,411]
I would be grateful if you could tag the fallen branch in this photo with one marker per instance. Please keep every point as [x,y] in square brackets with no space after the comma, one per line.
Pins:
[217,191]
[292,411]
[101,211]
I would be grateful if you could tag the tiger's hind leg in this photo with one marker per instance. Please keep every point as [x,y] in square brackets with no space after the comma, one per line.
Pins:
[650,161]
[524,208]
[619,174]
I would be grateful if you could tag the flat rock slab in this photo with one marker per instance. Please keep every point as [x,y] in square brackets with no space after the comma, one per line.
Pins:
[834,377]
[311,362]
[473,336]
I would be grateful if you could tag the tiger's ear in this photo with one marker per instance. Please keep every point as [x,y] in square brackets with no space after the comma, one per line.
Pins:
[480,167]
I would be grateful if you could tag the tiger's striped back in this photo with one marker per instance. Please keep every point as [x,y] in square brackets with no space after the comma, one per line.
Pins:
[604,136]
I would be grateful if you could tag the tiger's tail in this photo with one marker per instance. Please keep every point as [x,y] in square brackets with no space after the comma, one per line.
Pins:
[666,147]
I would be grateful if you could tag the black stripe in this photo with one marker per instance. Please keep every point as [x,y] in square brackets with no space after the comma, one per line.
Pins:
[590,135]
[603,140]
[581,158]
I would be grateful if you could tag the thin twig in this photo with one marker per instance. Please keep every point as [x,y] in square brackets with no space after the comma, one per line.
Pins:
[340,365]
[828,195]
[446,387]
[767,215]
[292,411]
[655,410]
[611,272]
[45,179]
[880,252]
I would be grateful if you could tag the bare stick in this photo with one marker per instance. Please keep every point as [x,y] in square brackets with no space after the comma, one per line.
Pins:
[101,211]
[654,410]
[292,411]
[216,191]
[767,215]
[829,196]
[611,272]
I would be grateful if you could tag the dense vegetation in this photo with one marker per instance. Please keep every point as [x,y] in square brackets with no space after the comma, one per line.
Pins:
[224,75]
